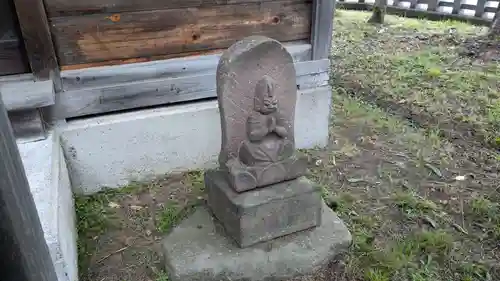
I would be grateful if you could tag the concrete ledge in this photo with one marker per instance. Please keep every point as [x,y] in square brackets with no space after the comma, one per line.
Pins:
[49,183]
[116,149]
[24,92]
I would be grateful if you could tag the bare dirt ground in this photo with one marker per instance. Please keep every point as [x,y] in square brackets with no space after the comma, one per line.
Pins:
[120,230]
[412,165]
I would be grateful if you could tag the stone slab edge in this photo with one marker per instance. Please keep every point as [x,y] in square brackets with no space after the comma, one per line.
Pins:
[260,196]
[196,251]
[51,189]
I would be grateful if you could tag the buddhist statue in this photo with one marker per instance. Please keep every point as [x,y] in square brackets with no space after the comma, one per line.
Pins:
[268,154]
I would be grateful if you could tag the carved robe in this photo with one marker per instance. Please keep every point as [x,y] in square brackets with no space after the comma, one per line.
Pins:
[267,135]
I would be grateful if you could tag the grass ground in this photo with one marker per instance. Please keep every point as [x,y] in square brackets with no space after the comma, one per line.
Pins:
[412,165]
[119,229]
[439,73]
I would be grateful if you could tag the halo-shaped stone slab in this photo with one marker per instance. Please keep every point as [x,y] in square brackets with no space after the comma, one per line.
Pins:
[240,68]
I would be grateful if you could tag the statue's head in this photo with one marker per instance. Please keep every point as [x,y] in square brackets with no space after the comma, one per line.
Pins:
[265,101]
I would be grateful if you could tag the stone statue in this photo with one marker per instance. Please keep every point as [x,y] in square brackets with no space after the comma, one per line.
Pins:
[256,197]
[268,155]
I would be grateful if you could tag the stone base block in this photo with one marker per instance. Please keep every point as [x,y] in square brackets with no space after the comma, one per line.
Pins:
[196,251]
[266,213]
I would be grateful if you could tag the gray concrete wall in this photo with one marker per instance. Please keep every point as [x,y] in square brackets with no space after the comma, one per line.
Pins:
[48,178]
[111,151]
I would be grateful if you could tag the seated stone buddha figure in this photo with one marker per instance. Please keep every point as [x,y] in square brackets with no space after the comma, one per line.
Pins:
[268,155]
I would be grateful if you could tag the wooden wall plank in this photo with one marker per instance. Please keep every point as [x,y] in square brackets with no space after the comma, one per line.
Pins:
[102,37]
[75,103]
[137,60]
[12,59]
[56,8]
[27,125]
[37,39]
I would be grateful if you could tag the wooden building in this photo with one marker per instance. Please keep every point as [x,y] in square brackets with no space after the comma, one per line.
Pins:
[68,58]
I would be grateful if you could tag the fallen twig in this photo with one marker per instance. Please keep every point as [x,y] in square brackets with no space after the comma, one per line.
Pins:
[113,253]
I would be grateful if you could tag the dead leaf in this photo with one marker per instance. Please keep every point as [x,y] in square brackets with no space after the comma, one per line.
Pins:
[355,180]
[114,205]
[434,169]
[430,221]
[459,228]
[136,208]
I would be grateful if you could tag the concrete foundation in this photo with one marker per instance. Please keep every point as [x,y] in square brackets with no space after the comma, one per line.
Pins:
[196,250]
[51,189]
[113,150]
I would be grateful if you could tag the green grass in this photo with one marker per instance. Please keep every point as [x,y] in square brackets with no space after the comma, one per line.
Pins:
[400,232]
[195,179]
[428,76]
[161,276]
[410,258]
[133,217]
[411,203]
[487,214]
[170,215]
[414,70]
[95,215]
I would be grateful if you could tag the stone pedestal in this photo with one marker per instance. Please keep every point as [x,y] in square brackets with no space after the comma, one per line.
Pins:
[197,250]
[265,213]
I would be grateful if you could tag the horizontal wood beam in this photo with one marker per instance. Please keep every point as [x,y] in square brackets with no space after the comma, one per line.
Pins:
[25,92]
[171,68]
[74,103]
[37,38]
[104,37]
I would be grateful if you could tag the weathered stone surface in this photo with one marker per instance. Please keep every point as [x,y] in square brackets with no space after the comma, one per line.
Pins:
[257,92]
[240,68]
[194,251]
[265,213]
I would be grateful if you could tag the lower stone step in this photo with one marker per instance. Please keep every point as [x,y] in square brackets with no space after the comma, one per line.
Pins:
[197,251]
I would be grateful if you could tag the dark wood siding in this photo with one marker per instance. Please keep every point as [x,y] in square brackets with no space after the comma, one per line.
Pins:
[12,55]
[36,37]
[85,35]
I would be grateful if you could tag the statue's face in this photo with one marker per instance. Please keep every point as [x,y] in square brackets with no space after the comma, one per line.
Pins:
[270,104]
[265,101]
